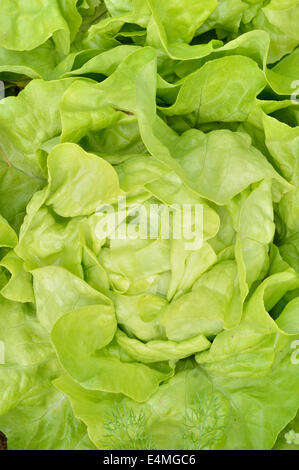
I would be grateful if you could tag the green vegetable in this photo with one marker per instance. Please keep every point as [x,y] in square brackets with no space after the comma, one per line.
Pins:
[149,234]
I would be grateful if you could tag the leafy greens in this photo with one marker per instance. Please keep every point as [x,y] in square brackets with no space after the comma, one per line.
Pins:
[141,342]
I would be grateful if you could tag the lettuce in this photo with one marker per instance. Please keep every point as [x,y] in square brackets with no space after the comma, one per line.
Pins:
[118,336]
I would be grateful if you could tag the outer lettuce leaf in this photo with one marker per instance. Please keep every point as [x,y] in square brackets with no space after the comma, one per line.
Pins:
[19,138]
[44,416]
[236,357]
[26,26]
[36,63]
[46,240]
[106,369]
[8,237]
[54,279]
[279,20]
[255,45]
[213,410]
[283,374]
[200,157]
[68,163]
[284,74]
[226,18]
[255,228]
[16,190]
[104,63]
[19,287]
[213,94]
[172,27]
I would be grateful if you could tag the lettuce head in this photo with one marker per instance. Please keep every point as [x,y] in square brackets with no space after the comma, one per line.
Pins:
[178,334]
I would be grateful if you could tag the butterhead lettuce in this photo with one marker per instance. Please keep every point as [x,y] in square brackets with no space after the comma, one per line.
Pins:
[115,335]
